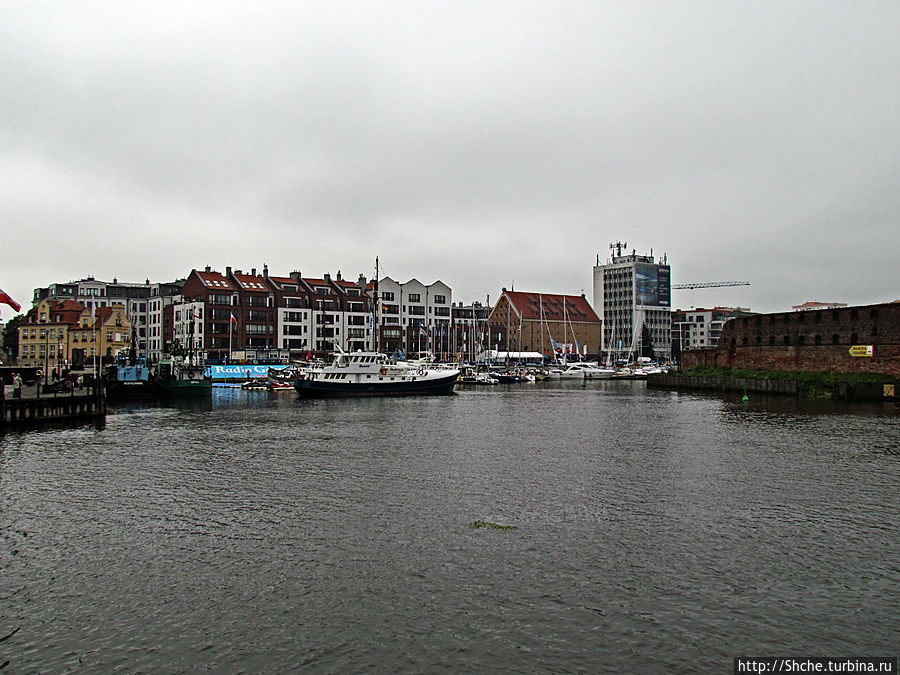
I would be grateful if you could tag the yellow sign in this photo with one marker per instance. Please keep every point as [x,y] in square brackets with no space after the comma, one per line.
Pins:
[862,350]
[889,391]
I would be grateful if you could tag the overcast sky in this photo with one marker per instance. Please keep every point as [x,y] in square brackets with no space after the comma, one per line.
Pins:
[484,144]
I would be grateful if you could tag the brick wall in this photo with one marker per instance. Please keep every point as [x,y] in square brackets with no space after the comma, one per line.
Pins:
[814,341]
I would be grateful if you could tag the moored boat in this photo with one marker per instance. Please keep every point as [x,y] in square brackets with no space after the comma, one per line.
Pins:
[366,373]
[176,377]
[129,378]
[583,370]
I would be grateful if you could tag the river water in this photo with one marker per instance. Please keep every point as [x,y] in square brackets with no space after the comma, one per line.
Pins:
[521,528]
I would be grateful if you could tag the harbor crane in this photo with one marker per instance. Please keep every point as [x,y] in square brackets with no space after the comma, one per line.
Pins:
[709,284]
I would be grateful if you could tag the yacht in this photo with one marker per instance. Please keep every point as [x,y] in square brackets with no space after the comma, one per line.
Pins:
[584,370]
[365,373]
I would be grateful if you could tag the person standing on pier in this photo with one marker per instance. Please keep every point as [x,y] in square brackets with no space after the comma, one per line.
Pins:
[17,385]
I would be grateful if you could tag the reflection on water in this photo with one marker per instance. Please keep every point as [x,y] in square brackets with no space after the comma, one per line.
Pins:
[262,532]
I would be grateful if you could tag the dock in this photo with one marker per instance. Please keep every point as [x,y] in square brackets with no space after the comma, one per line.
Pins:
[36,407]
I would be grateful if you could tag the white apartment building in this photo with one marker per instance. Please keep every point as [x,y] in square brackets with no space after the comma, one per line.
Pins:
[414,316]
[701,328]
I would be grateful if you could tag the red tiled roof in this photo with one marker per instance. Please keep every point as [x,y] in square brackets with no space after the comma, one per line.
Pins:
[69,310]
[215,280]
[556,307]
[252,283]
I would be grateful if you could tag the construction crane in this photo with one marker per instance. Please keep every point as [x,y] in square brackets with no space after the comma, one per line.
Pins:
[709,284]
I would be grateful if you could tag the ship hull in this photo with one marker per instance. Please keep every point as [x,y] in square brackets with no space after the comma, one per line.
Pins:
[316,388]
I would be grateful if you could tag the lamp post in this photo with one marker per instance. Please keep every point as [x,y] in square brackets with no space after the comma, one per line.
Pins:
[46,357]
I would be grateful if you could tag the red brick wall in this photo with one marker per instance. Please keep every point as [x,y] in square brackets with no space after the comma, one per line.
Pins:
[815,341]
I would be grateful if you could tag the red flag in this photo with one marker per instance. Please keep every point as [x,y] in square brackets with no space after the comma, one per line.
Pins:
[6,300]
[233,320]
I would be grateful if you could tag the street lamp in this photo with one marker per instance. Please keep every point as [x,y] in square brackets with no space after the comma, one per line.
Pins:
[46,356]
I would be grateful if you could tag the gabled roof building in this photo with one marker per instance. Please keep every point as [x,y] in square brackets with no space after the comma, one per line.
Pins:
[549,323]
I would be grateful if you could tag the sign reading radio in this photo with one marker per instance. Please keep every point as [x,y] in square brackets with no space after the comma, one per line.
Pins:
[862,350]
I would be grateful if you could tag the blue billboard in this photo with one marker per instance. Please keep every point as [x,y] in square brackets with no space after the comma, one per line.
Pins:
[652,285]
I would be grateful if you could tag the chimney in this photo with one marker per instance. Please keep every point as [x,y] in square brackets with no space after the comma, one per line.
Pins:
[252,271]
[208,269]
[265,271]
[296,276]
[328,277]
[228,271]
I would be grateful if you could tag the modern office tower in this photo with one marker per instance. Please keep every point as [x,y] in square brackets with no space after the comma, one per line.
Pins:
[632,296]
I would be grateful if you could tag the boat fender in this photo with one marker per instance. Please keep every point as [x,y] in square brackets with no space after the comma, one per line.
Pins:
[384,371]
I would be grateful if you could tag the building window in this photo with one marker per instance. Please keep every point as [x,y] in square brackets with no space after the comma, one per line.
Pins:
[387,295]
[414,297]
[440,300]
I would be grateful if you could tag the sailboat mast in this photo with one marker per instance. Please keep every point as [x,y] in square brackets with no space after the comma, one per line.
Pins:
[376,301]
[541,300]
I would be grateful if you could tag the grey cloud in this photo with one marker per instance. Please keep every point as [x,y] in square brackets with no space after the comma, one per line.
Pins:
[479,143]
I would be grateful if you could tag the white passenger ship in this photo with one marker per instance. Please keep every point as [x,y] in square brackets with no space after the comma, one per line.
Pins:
[373,374]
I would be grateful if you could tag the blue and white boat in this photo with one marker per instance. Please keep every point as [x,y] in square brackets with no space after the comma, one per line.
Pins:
[365,373]
[129,378]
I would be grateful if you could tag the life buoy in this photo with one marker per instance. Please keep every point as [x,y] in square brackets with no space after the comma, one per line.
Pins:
[421,372]
[384,371]
[39,373]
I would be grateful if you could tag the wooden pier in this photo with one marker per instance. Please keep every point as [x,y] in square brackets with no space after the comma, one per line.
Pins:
[35,408]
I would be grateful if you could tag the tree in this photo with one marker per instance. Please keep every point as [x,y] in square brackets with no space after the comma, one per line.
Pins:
[11,336]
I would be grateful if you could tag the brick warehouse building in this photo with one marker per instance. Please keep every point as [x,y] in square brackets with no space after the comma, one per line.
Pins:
[810,341]
[536,321]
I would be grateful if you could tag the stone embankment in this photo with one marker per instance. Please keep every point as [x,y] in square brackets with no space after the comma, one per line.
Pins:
[846,391]
[722,384]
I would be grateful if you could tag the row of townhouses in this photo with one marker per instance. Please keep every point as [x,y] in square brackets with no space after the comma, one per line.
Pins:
[256,315]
